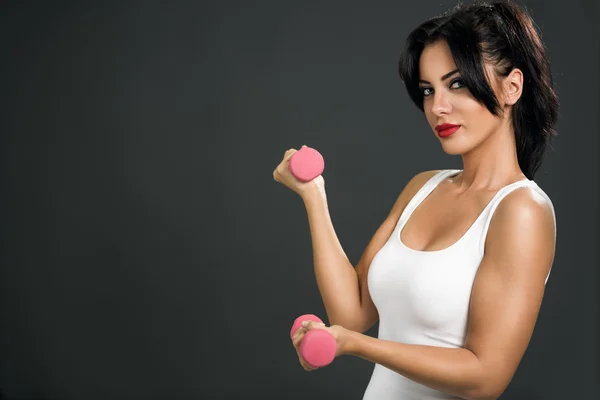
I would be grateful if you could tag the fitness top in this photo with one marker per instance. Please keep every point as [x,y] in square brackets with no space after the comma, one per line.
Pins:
[423,296]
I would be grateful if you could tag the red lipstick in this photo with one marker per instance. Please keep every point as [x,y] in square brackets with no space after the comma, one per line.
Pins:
[445,130]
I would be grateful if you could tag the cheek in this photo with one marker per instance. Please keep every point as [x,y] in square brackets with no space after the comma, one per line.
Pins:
[482,119]
[474,115]
[467,105]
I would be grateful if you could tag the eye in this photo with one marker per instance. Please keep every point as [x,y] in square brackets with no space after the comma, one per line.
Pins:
[458,82]
[426,91]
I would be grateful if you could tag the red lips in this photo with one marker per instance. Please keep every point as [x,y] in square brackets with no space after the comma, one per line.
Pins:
[445,130]
[445,126]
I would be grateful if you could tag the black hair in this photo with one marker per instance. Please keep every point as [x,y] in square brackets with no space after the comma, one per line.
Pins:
[502,33]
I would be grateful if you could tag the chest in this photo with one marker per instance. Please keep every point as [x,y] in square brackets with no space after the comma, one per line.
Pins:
[441,219]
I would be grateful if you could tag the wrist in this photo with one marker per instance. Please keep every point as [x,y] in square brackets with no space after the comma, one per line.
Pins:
[312,192]
[350,342]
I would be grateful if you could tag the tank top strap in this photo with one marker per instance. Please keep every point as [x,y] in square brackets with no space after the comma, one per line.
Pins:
[423,192]
[494,203]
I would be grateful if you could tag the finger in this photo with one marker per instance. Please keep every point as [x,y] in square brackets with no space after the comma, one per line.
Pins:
[277,176]
[306,365]
[303,362]
[298,332]
[289,154]
[308,325]
[297,340]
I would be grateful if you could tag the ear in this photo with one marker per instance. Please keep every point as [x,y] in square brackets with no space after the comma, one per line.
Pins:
[513,86]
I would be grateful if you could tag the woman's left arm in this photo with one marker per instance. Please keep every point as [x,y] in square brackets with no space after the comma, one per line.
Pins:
[505,300]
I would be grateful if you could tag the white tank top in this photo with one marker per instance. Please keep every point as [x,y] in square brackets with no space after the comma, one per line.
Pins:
[423,296]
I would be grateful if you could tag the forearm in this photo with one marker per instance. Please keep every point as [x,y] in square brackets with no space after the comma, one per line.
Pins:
[336,277]
[456,371]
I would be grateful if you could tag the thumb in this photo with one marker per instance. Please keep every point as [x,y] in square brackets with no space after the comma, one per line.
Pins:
[307,325]
[304,146]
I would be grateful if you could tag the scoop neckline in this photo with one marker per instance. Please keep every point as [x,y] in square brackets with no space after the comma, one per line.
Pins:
[459,240]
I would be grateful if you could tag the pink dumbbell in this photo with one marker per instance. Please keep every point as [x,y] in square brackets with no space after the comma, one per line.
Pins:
[318,347]
[306,164]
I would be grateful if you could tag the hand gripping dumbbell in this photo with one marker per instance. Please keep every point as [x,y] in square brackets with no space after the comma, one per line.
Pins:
[318,347]
[306,164]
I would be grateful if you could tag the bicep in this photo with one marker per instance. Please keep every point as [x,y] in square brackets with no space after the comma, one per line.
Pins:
[369,314]
[508,289]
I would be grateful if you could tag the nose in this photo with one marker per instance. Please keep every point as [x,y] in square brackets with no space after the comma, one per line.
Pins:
[440,104]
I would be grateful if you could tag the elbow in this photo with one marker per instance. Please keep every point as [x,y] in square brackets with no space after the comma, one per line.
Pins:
[489,391]
[489,396]
[484,397]
[490,386]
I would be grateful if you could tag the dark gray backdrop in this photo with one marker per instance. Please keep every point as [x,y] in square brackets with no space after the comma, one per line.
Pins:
[147,250]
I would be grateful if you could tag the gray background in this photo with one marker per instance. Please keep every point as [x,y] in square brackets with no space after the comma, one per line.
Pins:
[147,250]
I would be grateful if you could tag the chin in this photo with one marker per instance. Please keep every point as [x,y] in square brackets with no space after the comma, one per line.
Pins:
[457,145]
[455,149]
[454,153]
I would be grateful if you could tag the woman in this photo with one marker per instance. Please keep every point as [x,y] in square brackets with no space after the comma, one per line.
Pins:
[456,272]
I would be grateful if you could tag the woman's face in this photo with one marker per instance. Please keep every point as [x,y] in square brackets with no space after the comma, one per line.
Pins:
[446,100]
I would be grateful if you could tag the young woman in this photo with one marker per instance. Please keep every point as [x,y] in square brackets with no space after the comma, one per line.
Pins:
[456,272]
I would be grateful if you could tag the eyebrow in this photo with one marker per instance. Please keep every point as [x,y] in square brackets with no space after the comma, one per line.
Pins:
[446,76]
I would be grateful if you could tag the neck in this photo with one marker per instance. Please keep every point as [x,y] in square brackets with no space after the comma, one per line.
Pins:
[492,164]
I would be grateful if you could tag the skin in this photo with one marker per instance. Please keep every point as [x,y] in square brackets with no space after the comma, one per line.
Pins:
[519,248]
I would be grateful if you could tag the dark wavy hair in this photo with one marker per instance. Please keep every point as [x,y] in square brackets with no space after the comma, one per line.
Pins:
[505,35]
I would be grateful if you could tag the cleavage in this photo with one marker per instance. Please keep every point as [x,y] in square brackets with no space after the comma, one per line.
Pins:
[441,220]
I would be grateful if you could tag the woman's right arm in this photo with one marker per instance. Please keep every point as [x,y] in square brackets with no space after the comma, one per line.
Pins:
[344,288]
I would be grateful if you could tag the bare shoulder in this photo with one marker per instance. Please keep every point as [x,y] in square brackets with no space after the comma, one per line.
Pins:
[410,189]
[417,181]
[523,222]
[524,205]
